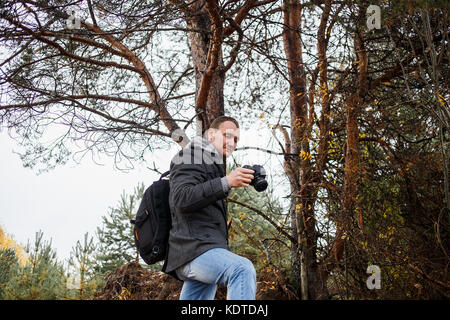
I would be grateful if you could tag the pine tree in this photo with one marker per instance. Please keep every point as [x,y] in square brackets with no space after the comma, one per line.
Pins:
[8,261]
[8,242]
[116,242]
[42,278]
[82,260]
[251,234]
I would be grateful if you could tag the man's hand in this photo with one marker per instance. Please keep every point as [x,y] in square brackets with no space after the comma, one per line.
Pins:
[240,177]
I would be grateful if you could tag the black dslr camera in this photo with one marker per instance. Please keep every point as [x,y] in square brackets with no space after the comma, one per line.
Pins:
[259,181]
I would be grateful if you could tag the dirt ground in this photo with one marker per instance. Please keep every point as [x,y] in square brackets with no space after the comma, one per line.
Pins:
[132,282]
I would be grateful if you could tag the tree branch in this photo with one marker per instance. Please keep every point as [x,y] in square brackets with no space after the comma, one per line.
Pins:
[279,229]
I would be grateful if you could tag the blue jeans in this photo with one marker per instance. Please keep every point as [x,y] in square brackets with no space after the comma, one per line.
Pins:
[215,266]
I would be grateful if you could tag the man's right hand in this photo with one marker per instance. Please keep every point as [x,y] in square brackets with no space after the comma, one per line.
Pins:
[240,177]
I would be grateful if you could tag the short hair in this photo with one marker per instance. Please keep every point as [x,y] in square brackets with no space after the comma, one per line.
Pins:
[219,120]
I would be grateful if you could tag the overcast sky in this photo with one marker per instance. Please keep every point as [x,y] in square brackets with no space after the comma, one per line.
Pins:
[70,200]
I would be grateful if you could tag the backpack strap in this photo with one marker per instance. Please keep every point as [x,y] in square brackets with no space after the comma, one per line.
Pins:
[164,175]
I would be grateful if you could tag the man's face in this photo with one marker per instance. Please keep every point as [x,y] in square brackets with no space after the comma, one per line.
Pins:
[225,138]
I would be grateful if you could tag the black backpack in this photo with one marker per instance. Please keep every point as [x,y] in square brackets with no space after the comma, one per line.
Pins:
[153,221]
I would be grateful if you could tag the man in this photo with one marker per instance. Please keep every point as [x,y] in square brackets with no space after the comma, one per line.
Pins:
[198,243]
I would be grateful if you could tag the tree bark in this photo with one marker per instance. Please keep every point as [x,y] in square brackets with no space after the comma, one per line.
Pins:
[304,176]
[302,212]
[205,46]
[353,105]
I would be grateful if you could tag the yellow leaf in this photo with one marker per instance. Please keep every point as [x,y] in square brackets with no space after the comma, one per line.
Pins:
[441,99]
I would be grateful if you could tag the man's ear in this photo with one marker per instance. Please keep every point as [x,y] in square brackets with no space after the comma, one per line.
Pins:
[210,134]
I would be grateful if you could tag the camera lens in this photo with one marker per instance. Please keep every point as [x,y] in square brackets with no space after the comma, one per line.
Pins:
[259,182]
[260,185]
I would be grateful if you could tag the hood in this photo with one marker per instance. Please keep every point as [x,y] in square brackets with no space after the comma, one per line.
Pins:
[197,151]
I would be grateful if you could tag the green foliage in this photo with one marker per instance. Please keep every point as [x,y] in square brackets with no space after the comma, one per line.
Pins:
[116,242]
[253,236]
[8,261]
[398,222]
[83,262]
[42,278]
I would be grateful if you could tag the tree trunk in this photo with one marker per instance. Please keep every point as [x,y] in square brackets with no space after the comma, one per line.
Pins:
[303,176]
[297,100]
[304,262]
[201,43]
[353,105]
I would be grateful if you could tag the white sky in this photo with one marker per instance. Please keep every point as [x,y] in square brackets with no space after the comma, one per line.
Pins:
[70,200]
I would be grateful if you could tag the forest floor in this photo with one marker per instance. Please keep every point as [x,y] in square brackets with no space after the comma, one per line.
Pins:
[132,282]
